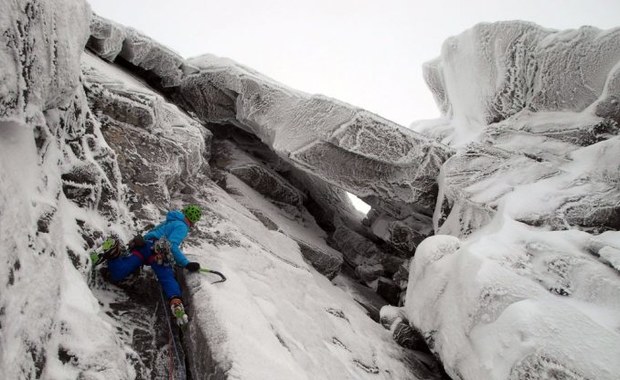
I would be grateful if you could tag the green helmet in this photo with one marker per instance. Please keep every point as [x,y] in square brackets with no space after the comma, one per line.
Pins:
[192,213]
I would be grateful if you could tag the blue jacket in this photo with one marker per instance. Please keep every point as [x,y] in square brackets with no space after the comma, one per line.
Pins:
[175,229]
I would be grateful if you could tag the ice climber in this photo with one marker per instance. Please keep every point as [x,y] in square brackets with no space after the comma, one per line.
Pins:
[159,248]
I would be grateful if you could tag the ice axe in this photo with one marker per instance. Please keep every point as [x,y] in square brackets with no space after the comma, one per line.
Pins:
[223,278]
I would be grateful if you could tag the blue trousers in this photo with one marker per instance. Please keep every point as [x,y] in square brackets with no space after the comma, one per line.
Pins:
[123,266]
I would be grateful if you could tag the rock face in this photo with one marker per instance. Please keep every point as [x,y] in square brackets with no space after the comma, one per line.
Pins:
[105,153]
[285,213]
[257,175]
[160,65]
[532,115]
[161,149]
[106,38]
[524,93]
[308,132]
[52,153]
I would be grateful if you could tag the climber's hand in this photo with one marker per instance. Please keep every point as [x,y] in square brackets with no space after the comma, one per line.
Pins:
[136,242]
[193,267]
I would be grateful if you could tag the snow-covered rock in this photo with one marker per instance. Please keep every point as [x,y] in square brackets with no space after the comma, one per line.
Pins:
[493,71]
[522,104]
[149,55]
[163,67]
[532,115]
[581,192]
[106,38]
[517,302]
[276,317]
[161,149]
[296,224]
[390,166]
[257,175]
[365,257]
[88,148]
[40,55]
[52,152]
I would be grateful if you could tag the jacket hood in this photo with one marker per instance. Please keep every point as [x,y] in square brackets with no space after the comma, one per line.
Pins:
[175,215]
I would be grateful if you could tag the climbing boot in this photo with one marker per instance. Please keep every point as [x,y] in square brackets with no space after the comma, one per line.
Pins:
[178,311]
[110,249]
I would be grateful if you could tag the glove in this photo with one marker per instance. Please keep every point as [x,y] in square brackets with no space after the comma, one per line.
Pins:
[136,242]
[193,267]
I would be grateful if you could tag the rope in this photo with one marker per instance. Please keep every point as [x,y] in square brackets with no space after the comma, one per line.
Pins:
[171,342]
[171,359]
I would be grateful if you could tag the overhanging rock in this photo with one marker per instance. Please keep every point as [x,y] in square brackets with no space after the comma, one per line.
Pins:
[159,64]
[351,148]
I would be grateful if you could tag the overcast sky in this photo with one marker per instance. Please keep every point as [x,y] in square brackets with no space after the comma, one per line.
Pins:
[365,52]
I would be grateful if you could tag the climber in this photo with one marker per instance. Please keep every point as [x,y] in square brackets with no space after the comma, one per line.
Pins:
[159,248]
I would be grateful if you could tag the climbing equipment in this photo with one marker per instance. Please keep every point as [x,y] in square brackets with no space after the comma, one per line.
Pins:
[223,278]
[178,311]
[162,251]
[192,213]
[109,249]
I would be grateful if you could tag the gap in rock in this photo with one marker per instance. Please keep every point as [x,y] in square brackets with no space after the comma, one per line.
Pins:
[359,204]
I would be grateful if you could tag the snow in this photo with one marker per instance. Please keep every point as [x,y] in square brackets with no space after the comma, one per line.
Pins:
[492,301]
[359,204]
[276,308]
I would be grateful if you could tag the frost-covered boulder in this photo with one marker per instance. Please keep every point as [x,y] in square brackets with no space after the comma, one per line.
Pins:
[158,64]
[493,71]
[360,253]
[473,182]
[395,319]
[526,107]
[580,192]
[549,136]
[532,114]
[403,234]
[518,302]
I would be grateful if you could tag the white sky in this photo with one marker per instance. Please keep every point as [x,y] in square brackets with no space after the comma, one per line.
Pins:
[365,52]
